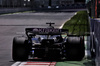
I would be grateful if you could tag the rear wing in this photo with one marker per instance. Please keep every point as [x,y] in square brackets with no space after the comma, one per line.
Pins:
[45,31]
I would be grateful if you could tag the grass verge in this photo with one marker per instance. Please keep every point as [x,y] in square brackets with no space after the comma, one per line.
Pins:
[76,63]
[78,24]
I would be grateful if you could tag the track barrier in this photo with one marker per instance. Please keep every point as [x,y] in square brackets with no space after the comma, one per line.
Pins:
[95,39]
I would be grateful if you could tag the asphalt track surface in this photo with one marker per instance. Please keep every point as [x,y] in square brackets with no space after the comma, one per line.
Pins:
[14,24]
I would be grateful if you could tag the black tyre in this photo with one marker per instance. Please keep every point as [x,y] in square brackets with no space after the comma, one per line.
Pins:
[20,50]
[75,49]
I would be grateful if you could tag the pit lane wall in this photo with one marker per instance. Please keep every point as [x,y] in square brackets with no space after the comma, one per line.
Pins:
[13,10]
[95,39]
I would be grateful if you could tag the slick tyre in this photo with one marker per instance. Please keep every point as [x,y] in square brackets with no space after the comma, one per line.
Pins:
[75,49]
[20,49]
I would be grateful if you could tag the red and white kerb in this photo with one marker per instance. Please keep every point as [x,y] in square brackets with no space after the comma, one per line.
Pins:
[38,64]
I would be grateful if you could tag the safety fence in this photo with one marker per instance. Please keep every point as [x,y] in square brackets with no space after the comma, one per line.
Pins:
[15,3]
[40,4]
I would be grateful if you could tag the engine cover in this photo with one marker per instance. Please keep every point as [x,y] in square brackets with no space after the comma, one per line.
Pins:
[47,42]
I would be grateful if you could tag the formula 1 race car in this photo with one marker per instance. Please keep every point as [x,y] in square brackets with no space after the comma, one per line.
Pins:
[50,43]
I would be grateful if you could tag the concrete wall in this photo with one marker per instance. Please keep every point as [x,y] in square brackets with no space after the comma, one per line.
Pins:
[13,10]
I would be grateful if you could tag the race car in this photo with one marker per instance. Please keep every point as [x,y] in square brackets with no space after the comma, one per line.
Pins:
[50,43]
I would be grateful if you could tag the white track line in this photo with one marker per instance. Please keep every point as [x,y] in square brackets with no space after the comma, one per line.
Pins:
[65,22]
[16,64]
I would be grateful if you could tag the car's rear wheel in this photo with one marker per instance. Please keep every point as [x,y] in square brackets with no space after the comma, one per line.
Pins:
[20,49]
[75,49]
